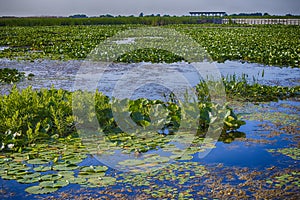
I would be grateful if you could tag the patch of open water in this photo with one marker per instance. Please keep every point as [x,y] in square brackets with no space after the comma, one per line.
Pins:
[62,74]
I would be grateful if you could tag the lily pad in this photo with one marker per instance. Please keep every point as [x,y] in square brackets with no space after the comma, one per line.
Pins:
[293,153]
[29,178]
[102,181]
[42,168]
[54,184]
[77,180]
[131,162]
[40,190]
[37,161]
[50,177]
[94,169]
[65,167]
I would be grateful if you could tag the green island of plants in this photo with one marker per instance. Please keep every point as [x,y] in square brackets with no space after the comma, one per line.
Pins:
[240,89]
[11,76]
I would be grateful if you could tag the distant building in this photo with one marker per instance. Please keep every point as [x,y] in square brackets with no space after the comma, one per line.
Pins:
[208,17]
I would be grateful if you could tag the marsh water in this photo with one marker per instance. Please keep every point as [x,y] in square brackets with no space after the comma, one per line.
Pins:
[62,74]
[236,167]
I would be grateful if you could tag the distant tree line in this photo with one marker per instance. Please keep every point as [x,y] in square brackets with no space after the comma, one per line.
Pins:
[108,19]
[79,16]
[248,14]
[102,20]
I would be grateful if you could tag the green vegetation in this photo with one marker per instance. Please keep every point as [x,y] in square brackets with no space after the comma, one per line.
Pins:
[110,20]
[60,158]
[41,146]
[55,165]
[152,55]
[293,153]
[241,90]
[286,180]
[30,117]
[56,43]
[271,44]
[149,20]
[10,75]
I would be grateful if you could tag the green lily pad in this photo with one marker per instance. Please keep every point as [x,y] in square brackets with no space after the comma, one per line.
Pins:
[65,167]
[29,178]
[66,174]
[54,184]
[94,169]
[37,161]
[77,180]
[87,175]
[42,168]
[50,177]
[293,153]
[8,177]
[185,157]
[102,181]
[40,190]
[131,162]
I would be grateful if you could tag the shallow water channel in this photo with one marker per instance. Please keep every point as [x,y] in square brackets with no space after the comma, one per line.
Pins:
[62,74]
[261,160]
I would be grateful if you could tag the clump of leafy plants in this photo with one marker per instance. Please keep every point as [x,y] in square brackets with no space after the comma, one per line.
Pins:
[239,88]
[29,116]
[8,75]
[150,55]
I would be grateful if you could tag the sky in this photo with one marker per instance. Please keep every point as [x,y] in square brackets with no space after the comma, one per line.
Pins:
[135,7]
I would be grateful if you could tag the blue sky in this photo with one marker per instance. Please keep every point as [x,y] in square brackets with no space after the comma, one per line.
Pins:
[134,7]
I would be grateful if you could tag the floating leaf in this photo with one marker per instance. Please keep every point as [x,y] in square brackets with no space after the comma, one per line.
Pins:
[42,168]
[50,177]
[132,162]
[94,169]
[40,190]
[102,181]
[37,161]
[65,167]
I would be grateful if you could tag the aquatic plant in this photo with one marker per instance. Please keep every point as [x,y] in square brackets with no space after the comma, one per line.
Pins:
[239,88]
[30,116]
[10,75]
[293,153]
[270,45]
